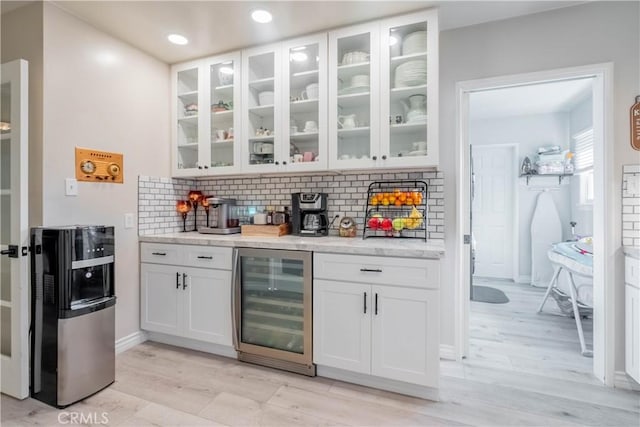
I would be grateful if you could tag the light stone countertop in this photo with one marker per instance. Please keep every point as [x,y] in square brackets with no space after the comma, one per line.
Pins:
[632,251]
[410,248]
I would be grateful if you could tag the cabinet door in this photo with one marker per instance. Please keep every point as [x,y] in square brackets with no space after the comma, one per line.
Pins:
[354,95]
[405,343]
[207,305]
[261,109]
[305,103]
[632,331]
[223,116]
[342,325]
[187,132]
[160,298]
[409,76]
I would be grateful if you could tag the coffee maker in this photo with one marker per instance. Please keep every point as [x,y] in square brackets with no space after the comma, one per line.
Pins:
[309,214]
[225,224]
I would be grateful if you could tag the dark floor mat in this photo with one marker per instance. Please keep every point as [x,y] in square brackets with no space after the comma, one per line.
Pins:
[490,295]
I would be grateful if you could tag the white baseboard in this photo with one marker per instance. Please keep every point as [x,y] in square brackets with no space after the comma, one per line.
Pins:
[131,340]
[624,381]
[523,279]
[221,350]
[448,352]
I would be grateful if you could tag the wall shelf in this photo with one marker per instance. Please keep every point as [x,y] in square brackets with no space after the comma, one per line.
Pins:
[560,176]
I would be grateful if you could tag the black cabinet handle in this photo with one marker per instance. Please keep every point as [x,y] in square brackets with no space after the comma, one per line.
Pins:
[376,308]
[199,167]
[284,163]
[204,257]
[184,281]
[277,163]
[375,157]
[159,253]
[177,280]
[206,167]
[365,303]
[384,157]
[371,270]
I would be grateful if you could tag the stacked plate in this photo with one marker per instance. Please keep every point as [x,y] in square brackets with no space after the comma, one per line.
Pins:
[415,42]
[411,73]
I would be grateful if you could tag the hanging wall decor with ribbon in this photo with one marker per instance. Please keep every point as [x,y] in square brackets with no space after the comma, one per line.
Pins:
[635,124]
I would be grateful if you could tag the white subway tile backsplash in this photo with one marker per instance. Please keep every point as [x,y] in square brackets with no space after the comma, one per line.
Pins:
[630,207]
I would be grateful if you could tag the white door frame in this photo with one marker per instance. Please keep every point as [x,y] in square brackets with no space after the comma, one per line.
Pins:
[515,152]
[15,369]
[604,239]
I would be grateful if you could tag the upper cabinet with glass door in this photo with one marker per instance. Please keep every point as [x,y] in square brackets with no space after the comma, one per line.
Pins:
[261,109]
[186,127]
[224,99]
[354,97]
[305,104]
[409,79]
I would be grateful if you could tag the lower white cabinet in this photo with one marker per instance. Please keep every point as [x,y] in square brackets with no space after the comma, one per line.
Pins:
[189,302]
[632,331]
[385,331]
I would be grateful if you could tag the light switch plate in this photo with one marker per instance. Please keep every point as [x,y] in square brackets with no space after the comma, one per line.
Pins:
[71,187]
[128,220]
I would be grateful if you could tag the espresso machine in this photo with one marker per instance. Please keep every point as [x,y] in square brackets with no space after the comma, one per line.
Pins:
[225,224]
[309,214]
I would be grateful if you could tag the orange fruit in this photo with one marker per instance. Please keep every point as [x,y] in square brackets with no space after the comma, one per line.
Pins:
[385,202]
[402,197]
[392,199]
[398,202]
[374,201]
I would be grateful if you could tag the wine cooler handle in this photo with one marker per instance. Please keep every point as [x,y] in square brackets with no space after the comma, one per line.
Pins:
[235,283]
[184,281]
[365,303]
[376,307]
[177,280]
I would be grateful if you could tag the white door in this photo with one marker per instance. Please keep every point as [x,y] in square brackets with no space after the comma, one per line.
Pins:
[492,210]
[342,325]
[14,230]
[160,298]
[207,298]
[405,344]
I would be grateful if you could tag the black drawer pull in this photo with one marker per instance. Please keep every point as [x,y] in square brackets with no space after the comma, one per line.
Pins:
[365,303]
[184,281]
[376,308]
[371,270]
[204,257]
[177,280]
[159,253]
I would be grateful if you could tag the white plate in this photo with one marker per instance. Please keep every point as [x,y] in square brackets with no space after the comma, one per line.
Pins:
[353,89]
[418,119]
[418,153]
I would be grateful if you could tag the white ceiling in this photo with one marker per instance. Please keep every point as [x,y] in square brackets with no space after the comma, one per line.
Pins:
[220,26]
[543,98]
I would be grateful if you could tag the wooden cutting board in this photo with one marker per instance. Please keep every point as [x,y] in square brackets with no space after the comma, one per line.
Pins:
[266,230]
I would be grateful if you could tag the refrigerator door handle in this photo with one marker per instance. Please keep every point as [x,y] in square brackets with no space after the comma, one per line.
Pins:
[235,286]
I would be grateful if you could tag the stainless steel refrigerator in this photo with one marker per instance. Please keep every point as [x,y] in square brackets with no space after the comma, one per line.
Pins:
[272,321]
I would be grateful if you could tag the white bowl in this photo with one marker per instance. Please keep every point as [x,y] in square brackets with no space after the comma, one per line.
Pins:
[265,98]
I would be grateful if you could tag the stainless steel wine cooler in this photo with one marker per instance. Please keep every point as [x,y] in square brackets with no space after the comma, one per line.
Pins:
[272,291]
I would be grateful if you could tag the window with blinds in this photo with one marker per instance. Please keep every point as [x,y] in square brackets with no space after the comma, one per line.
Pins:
[583,163]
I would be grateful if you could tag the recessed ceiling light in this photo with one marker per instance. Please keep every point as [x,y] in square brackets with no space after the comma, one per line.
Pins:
[177,39]
[261,16]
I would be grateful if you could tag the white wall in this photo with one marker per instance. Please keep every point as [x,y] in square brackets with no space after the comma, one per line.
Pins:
[591,33]
[528,132]
[101,93]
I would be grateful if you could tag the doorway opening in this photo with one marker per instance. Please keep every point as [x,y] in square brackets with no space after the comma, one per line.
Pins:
[532,168]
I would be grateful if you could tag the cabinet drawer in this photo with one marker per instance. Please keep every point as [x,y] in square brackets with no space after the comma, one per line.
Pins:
[208,257]
[161,253]
[410,272]
[632,271]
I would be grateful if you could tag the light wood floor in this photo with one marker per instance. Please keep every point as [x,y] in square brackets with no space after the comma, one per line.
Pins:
[523,371]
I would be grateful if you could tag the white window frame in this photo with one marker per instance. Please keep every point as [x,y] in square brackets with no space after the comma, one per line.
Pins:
[583,163]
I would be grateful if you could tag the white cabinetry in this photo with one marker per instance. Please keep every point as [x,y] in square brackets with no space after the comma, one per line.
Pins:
[184,299]
[632,318]
[205,126]
[383,91]
[284,106]
[366,322]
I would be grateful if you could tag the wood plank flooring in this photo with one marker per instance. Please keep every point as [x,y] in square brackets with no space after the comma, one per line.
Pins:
[524,370]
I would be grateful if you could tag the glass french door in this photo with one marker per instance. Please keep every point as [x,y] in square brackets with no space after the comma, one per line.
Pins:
[14,230]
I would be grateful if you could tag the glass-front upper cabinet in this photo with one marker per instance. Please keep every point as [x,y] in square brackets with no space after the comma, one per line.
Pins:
[354,97]
[224,99]
[305,103]
[409,80]
[186,109]
[261,108]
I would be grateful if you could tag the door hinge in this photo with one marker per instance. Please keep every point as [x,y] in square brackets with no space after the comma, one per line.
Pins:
[467,239]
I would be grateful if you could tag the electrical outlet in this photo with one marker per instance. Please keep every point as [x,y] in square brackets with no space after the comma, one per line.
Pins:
[71,187]
[128,220]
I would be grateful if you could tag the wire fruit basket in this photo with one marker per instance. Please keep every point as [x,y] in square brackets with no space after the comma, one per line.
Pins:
[396,209]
